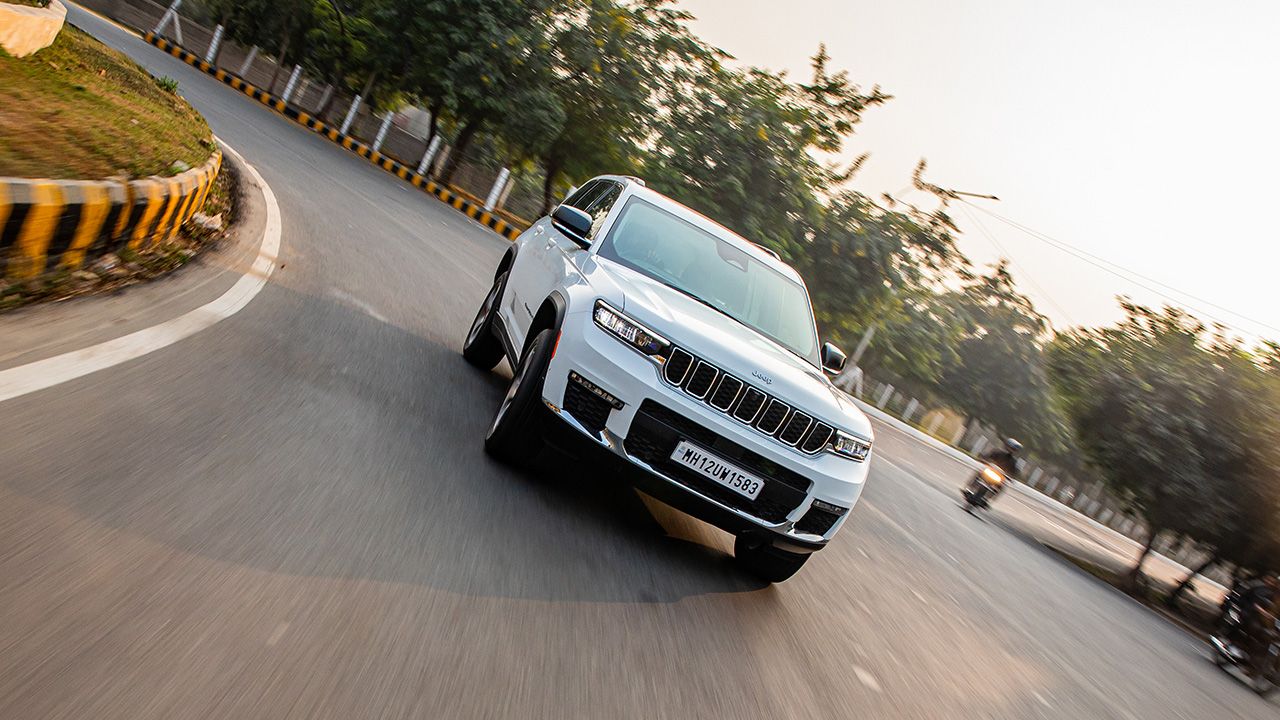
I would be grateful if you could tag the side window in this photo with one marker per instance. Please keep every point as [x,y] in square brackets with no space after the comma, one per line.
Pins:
[583,196]
[602,204]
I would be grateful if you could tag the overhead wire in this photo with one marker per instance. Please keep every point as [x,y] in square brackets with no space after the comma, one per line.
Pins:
[1129,275]
[1022,270]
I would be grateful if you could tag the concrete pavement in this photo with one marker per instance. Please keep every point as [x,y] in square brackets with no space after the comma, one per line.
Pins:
[290,515]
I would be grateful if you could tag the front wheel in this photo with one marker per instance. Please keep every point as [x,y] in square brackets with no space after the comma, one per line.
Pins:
[515,436]
[766,562]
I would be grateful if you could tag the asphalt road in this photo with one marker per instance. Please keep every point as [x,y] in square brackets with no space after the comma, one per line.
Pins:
[289,515]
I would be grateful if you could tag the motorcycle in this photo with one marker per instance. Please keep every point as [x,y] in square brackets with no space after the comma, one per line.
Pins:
[1262,673]
[983,488]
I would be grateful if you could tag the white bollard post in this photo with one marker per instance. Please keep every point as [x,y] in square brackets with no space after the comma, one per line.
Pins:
[432,148]
[302,90]
[293,81]
[1051,486]
[169,14]
[496,190]
[351,115]
[212,52]
[911,410]
[382,131]
[959,436]
[248,61]
[934,423]
[979,445]
[1036,472]
[884,396]
[502,199]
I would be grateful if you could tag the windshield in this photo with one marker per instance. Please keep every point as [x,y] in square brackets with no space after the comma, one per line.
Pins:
[656,243]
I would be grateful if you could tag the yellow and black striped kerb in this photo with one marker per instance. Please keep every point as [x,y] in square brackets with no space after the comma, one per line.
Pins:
[471,209]
[50,225]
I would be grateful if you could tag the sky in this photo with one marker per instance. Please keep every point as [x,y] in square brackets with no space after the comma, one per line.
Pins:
[1142,133]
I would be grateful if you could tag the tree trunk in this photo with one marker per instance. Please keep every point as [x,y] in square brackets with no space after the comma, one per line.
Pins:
[548,184]
[368,86]
[284,53]
[1171,602]
[1136,572]
[459,149]
[433,128]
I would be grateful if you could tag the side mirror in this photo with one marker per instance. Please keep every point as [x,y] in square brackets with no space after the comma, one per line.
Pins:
[572,222]
[832,359]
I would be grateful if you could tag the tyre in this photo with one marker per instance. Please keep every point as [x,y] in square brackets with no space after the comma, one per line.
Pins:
[482,347]
[515,436]
[766,562]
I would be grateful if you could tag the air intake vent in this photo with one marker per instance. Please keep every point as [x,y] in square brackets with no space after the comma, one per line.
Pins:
[726,392]
[700,382]
[795,428]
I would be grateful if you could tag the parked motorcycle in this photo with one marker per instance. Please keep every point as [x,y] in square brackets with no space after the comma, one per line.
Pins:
[983,488]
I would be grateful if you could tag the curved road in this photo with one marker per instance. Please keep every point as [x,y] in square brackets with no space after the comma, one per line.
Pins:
[289,515]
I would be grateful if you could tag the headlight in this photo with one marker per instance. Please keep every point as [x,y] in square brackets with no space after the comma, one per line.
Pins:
[992,475]
[854,448]
[631,332]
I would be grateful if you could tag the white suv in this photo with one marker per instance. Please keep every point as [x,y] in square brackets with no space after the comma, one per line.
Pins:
[685,351]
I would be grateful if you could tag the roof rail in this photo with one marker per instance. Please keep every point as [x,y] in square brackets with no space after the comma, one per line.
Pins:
[770,251]
[636,180]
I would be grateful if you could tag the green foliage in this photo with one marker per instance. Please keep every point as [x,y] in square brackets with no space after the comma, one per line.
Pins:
[740,145]
[1183,422]
[999,372]
[167,84]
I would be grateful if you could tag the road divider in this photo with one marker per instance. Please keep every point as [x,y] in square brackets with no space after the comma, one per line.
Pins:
[59,224]
[471,209]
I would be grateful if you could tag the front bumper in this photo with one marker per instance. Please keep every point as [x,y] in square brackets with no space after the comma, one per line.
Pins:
[621,374]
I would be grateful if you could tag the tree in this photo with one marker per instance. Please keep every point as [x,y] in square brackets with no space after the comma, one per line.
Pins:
[613,62]
[1180,421]
[741,146]
[999,374]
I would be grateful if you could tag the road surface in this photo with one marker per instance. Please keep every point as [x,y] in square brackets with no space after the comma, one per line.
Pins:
[289,515]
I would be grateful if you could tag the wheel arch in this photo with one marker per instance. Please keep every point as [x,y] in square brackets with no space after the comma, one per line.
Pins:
[550,316]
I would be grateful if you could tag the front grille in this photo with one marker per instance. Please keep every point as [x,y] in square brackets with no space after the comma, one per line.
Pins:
[726,392]
[817,521]
[653,436]
[586,408]
[748,404]
[773,416]
[817,438]
[700,381]
[677,367]
[795,428]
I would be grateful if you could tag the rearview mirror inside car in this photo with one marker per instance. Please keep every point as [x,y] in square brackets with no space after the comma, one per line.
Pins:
[832,359]
[572,222]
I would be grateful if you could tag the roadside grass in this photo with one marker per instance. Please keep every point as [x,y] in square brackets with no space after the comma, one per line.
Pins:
[1193,617]
[80,110]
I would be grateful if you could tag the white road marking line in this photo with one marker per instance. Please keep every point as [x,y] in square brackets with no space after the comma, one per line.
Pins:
[58,369]
[277,634]
[1043,702]
[866,678]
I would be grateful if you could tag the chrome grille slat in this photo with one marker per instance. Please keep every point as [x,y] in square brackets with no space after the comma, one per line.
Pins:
[728,387]
[750,405]
[703,376]
[797,425]
[775,413]
[817,438]
[680,363]
[745,403]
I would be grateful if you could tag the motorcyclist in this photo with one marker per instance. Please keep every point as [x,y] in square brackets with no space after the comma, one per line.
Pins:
[1255,603]
[1005,458]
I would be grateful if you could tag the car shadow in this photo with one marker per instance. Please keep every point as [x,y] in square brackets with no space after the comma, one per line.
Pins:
[352,448]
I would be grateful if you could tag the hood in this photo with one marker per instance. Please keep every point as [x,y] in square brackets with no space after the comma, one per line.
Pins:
[727,343]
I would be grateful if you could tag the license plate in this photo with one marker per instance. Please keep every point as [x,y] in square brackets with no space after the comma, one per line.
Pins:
[722,471]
